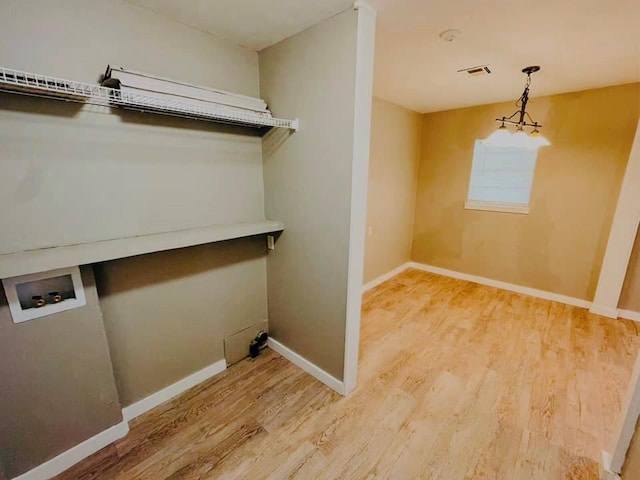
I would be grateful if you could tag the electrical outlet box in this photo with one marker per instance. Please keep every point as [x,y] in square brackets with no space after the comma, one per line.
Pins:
[40,294]
[271,242]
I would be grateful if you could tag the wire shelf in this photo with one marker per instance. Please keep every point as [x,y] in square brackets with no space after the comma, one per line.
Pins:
[27,83]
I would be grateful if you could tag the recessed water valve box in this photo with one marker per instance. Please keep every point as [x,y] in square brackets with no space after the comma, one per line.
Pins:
[39,294]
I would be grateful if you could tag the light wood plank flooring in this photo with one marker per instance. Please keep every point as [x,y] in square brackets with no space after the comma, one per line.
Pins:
[457,381]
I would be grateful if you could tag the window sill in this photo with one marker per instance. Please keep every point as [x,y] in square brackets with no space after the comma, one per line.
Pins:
[497,207]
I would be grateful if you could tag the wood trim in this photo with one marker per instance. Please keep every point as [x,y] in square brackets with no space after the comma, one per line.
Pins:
[383,278]
[312,369]
[166,394]
[74,455]
[534,292]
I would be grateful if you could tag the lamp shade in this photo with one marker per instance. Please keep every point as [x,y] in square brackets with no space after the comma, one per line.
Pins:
[521,119]
[538,140]
[501,137]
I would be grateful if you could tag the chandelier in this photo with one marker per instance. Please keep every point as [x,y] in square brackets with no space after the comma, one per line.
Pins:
[520,118]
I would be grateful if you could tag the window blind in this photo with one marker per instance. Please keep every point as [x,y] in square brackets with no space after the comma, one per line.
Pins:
[501,175]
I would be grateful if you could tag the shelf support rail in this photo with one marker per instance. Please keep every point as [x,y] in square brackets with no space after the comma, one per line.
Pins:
[26,83]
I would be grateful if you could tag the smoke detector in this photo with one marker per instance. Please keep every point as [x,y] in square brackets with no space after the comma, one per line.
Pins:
[476,71]
[450,35]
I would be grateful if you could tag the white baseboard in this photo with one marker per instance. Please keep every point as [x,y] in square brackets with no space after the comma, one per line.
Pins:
[534,292]
[383,278]
[605,467]
[629,315]
[78,453]
[312,369]
[603,311]
[166,394]
[68,459]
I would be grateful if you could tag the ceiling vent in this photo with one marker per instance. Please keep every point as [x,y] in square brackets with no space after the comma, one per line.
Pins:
[476,71]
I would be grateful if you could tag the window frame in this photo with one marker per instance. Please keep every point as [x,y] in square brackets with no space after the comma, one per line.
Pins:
[496,206]
[501,207]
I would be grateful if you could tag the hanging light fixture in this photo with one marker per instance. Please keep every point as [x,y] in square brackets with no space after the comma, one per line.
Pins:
[521,119]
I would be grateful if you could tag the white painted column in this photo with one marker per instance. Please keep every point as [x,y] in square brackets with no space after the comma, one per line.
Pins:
[621,238]
[614,268]
[365,46]
[626,426]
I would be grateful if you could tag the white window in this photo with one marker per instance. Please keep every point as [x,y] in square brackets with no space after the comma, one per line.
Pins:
[501,178]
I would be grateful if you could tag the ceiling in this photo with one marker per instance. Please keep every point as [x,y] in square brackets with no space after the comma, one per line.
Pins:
[255,24]
[580,44]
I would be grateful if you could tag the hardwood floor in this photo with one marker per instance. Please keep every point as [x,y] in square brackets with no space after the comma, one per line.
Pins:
[457,381]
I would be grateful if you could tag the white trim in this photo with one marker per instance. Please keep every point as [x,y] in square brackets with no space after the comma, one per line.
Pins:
[358,4]
[68,459]
[166,394]
[627,420]
[383,278]
[365,45]
[312,369]
[603,311]
[78,453]
[556,297]
[534,292]
[612,274]
[629,315]
[605,467]
[497,207]
[622,234]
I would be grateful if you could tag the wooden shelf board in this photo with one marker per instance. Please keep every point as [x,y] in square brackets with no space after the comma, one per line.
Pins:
[44,259]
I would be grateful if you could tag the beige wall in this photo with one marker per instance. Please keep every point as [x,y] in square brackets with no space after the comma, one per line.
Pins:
[56,383]
[630,297]
[393,175]
[559,245]
[69,175]
[64,166]
[167,313]
[308,186]
[72,36]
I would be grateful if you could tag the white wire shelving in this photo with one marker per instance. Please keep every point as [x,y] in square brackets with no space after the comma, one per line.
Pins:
[26,83]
